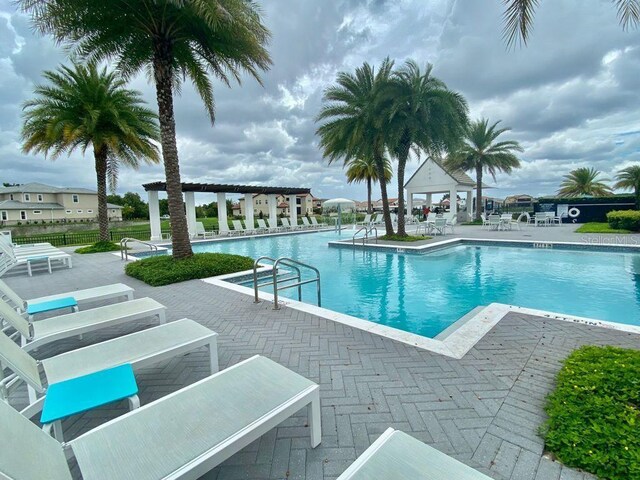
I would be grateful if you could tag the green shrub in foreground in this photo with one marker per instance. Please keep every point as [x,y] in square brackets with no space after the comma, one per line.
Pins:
[624,219]
[99,247]
[164,270]
[594,413]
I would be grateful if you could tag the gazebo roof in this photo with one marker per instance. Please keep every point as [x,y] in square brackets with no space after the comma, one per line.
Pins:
[224,188]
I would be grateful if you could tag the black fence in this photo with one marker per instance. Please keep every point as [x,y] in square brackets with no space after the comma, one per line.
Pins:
[80,238]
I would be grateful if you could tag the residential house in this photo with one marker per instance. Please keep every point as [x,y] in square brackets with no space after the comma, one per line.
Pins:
[305,204]
[36,202]
[522,200]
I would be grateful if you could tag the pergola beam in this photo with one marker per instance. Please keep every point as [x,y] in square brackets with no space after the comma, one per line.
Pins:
[224,188]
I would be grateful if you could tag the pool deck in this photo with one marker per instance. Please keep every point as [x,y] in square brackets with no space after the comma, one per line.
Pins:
[484,409]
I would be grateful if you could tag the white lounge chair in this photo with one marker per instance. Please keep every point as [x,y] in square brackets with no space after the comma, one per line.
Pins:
[315,223]
[139,349]
[306,224]
[182,435]
[286,225]
[262,226]
[238,229]
[71,299]
[201,232]
[29,257]
[396,455]
[36,334]
[273,225]
[366,221]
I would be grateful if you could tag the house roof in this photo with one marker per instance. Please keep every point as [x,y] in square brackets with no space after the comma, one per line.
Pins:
[458,175]
[113,205]
[15,205]
[35,187]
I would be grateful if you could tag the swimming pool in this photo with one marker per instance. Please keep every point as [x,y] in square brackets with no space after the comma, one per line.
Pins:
[426,293]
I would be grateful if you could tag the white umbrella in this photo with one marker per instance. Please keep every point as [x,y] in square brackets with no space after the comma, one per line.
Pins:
[339,203]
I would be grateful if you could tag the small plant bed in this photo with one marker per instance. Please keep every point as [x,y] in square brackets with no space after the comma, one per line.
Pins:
[398,238]
[475,222]
[164,270]
[99,247]
[594,413]
[600,227]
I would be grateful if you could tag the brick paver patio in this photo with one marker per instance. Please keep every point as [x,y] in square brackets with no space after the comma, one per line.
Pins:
[484,409]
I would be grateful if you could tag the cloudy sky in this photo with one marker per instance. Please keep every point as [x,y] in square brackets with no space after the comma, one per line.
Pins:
[571,96]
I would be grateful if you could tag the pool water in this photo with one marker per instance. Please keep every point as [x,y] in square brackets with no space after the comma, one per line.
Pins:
[426,293]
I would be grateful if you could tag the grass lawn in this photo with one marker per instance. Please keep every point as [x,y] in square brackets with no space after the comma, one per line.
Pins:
[594,412]
[408,238]
[164,270]
[599,227]
[99,247]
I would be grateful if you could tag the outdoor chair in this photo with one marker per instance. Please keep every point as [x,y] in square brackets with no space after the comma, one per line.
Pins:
[201,232]
[39,333]
[59,301]
[139,350]
[366,221]
[182,435]
[306,224]
[485,221]
[398,455]
[29,256]
[315,223]
[286,225]
[273,226]
[541,219]
[494,222]
[238,229]
[439,226]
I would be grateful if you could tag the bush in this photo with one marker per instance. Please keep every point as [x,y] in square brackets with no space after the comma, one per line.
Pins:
[594,412]
[164,270]
[624,220]
[99,247]
[408,238]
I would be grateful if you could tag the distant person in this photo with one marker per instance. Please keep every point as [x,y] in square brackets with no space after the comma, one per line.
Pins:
[437,210]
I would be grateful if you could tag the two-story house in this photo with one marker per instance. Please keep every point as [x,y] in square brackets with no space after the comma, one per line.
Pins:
[304,203]
[36,202]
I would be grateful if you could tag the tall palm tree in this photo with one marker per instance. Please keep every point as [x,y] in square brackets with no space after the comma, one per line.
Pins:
[481,152]
[172,40]
[518,17]
[363,169]
[355,121]
[629,179]
[82,107]
[425,115]
[583,181]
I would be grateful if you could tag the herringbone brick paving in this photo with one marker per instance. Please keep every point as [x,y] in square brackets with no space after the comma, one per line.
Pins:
[484,409]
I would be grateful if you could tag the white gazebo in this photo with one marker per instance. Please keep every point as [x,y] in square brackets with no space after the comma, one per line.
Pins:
[190,189]
[432,177]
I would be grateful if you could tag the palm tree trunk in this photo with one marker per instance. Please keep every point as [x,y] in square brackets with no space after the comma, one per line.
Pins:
[403,154]
[163,73]
[369,209]
[479,193]
[383,191]
[100,156]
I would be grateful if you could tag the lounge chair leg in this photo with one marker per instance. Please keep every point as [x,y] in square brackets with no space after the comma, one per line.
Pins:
[134,402]
[162,318]
[33,396]
[29,269]
[314,420]
[49,265]
[57,430]
[213,356]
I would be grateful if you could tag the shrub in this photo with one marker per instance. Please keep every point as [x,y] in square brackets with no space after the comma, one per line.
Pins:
[99,247]
[624,219]
[594,412]
[164,270]
[408,238]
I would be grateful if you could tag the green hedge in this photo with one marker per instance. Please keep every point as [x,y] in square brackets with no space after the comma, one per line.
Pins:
[99,247]
[164,270]
[624,219]
[594,412]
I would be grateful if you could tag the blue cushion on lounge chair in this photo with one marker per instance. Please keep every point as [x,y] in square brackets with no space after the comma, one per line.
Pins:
[80,394]
[41,307]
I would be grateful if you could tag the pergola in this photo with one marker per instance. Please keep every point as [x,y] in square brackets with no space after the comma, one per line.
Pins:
[432,177]
[189,190]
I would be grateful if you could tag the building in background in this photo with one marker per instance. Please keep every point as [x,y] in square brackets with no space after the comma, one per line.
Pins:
[304,203]
[37,203]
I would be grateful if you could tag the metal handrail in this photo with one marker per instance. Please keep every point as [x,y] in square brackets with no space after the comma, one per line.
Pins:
[297,277]
[367,231]
[123,246]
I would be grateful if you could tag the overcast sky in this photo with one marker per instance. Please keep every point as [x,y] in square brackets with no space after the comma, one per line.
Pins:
[571,97]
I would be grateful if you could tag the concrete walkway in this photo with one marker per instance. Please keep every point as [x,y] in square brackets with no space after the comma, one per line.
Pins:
[484,409]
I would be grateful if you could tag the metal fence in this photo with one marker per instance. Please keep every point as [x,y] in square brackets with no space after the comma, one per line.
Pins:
[80,238]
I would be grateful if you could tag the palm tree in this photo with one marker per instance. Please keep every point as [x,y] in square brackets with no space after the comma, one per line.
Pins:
[583,181]
[425,115]
[518,17]
[83,107]
[482,153]
[364,170]
[172,40]
[355,115]
[629,179]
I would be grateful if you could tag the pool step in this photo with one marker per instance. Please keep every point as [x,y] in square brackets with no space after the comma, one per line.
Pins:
[458,323]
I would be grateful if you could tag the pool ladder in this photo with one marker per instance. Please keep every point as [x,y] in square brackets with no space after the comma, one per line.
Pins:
[367,231]
[126,240]
[295,276]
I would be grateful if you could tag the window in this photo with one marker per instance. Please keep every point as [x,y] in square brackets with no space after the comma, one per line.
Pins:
[5,216]
[37,212]
[27,197]
[75,199]
[23,215]
[67,212]
[40,197]
[89,211]
[11,196]
[78,211]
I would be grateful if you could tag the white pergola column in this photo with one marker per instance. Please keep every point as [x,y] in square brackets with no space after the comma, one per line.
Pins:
[470,204]
[453,202]
[154,215]
[190,205]
[293,211]
[429,200]
[223,225]
[409,204]
[248,214]
[273,209]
